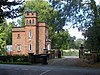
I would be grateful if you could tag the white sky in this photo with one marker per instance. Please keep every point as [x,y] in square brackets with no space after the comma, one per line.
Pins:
[73,32]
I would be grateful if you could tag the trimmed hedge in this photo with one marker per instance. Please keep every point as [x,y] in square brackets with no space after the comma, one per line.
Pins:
[33,59]
[14,58]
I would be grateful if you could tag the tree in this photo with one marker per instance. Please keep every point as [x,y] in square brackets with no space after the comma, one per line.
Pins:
[3,35]
[9,32]
[61,40]
[45,14]
[78,12]
[92,34]
[78,43]
[84,15]
[7,11]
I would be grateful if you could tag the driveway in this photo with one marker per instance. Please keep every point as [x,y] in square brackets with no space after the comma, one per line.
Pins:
[46,70]
[71,61]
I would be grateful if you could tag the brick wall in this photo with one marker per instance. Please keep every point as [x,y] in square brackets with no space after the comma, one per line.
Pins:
[38,39]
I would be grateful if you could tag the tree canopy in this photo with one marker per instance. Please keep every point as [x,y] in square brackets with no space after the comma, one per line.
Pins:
[52,17]
[92,34]
[8,11]
[78,12]
[45,14]
[85,15]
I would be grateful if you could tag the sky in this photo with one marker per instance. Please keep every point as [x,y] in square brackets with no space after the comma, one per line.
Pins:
[73,32]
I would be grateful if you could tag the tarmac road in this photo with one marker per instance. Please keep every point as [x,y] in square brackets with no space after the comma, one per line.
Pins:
[46,70]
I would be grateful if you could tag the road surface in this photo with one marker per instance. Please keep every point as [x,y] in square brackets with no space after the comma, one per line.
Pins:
[46,70]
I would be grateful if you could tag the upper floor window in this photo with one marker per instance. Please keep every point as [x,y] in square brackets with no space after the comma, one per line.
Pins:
[32,21]
[30,47]
[30,34]
[26,21]
[18,47]
[32,14]
[27,13]
[18,36]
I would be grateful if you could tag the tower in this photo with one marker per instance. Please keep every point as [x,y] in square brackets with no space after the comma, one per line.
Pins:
[31,30]
[30,18]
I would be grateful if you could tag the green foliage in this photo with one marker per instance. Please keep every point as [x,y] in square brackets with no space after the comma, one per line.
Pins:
[2,51]
[92,34]
[78,43]
[83,15]
[78,12]
[9,32]
[45,14]
[70,53]
[60,40]
[53,18]
[7,11]
[3,35]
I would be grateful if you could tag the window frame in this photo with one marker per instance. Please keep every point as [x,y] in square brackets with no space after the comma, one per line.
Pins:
[30,22]
[33,21]
[18,47]
[30,34]
[18,36]
[26,21]
[30,47]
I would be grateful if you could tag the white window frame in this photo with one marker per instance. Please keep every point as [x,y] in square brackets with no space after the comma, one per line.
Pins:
[30,34]
[18,36]
[30,47]
[32,21]
[26,21]
[18,47]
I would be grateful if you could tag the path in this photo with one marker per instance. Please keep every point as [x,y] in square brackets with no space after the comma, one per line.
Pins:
[72,61]
[45,70]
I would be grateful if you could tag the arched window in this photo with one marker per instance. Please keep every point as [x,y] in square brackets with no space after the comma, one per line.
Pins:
[26,21]
[32,14]
[30,21]
[30,34]
[18,47]
[30,47]
[18,37]
[27,13]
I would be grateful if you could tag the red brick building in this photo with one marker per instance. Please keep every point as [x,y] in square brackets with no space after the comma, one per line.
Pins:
[31,38]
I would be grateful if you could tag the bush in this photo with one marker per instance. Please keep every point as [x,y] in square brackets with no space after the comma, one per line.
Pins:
[14,58]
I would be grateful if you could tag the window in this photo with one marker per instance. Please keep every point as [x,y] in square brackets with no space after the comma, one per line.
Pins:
[27,13]
[26,21]
[18,47]
[32,14]
[30,21]
[30,34]
[18,37]
[30,47]
[33,21]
